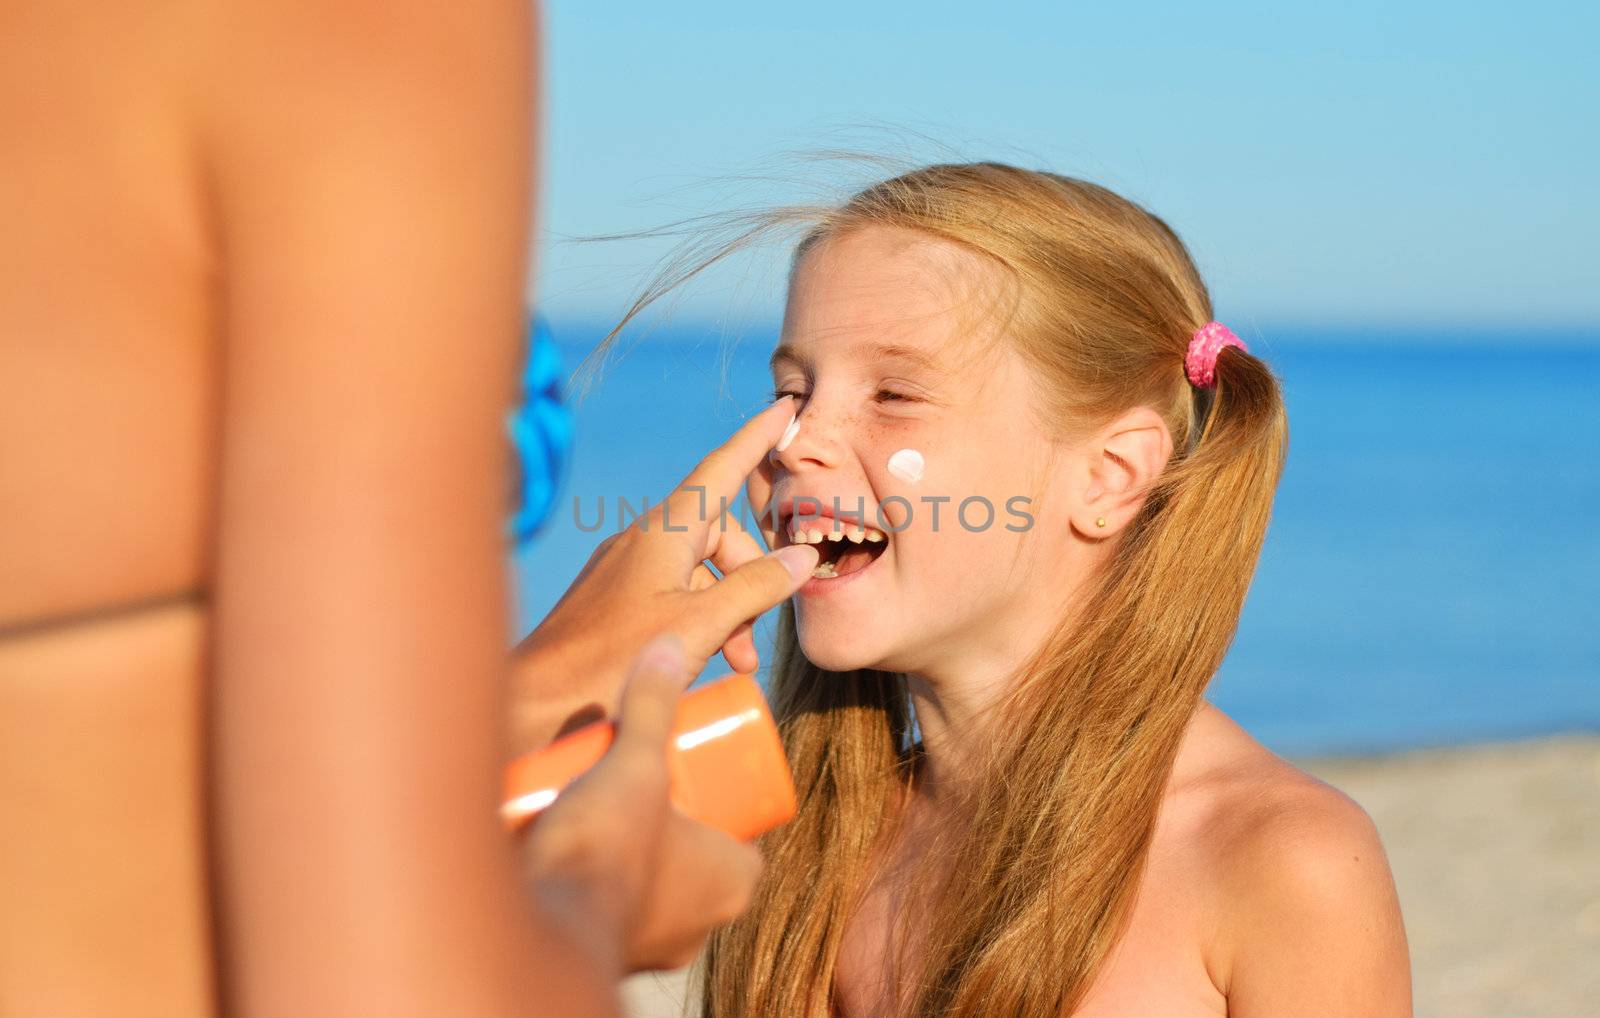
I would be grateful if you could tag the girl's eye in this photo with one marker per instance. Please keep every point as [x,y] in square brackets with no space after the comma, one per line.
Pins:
[881,396]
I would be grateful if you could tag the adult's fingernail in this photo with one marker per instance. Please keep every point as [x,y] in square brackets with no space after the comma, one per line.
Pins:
[788,434]
[799,559]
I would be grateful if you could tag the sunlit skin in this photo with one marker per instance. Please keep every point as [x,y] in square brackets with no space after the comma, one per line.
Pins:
[1266,891]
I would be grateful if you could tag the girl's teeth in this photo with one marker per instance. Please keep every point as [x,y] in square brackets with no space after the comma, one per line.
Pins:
[824,571]
[854,535]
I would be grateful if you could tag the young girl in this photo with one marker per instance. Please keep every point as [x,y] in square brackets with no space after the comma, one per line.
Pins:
[1014,799]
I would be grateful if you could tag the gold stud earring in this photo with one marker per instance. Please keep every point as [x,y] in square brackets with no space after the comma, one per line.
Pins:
[1100,522]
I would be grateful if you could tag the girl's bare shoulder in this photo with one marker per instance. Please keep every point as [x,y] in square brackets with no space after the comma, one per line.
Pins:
[1238,794]
[1301,890]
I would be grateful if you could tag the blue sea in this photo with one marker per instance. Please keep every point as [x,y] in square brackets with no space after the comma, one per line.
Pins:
[1432,571]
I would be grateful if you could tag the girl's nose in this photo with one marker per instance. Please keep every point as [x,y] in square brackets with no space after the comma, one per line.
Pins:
[812,442]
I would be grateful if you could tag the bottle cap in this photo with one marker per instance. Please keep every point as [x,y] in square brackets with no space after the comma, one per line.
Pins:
[731,771]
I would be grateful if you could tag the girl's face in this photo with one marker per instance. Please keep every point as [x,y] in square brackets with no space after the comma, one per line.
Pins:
[917,426]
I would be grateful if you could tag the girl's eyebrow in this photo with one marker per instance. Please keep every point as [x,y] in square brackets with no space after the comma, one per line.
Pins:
[865,351]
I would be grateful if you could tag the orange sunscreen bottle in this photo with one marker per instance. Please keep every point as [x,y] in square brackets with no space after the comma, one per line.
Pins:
[726,761]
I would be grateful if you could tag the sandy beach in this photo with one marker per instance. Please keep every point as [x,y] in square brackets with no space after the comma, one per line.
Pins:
[1496,852]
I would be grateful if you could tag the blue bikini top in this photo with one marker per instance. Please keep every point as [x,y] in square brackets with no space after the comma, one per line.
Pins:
[541,434]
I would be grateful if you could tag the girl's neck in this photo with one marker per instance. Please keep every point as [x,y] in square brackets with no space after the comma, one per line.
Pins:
[954,719]
[956,700]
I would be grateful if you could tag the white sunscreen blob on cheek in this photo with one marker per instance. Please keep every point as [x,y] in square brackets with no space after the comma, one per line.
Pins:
[907,465]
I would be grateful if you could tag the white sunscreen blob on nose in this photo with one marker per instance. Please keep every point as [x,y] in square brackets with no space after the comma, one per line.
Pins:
[788,434]
[907,465]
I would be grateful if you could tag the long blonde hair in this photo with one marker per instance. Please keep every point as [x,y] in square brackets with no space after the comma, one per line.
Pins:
[1043,871]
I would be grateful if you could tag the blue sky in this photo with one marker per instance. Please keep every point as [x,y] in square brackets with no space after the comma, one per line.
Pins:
[1406,164]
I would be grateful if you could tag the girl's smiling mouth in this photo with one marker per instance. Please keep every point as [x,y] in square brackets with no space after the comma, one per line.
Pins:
[847,545]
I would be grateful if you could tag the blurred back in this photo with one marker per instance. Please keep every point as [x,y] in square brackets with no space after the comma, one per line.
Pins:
[107,378]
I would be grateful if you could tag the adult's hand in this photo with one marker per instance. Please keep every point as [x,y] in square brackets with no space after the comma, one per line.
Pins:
[634,882]
[653,578]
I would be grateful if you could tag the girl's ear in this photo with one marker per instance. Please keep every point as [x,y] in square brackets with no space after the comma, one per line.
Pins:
[1122,460]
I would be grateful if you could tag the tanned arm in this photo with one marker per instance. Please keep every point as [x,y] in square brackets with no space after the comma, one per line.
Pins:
[371,163]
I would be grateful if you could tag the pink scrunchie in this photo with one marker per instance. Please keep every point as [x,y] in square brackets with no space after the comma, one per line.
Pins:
[1200,362]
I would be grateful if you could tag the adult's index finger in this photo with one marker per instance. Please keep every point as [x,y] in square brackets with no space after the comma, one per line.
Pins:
[718,478]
